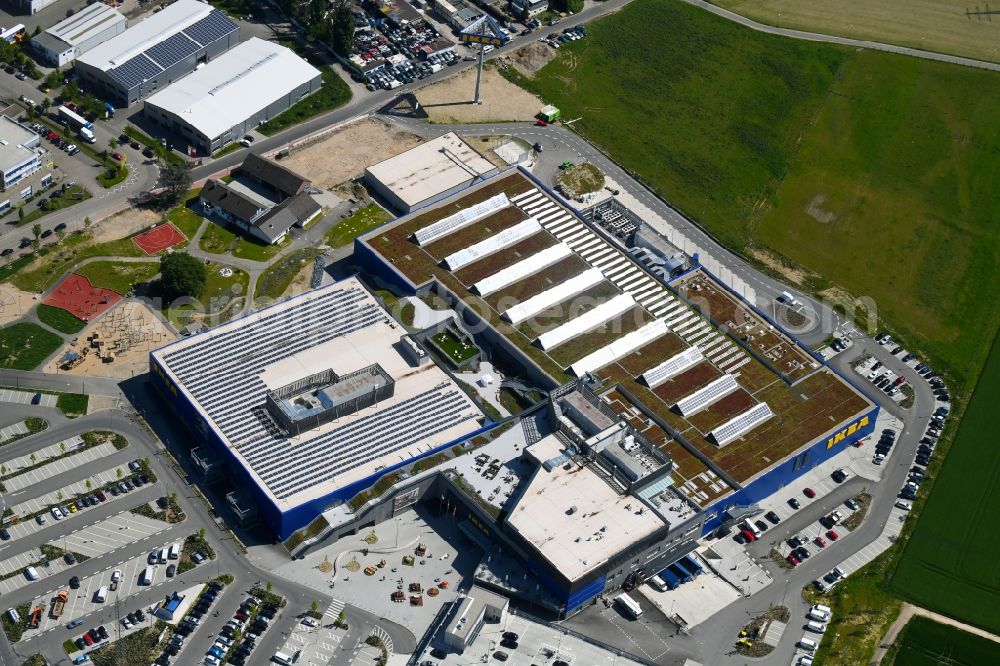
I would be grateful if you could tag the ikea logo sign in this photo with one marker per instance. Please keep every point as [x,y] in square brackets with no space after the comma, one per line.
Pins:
[847,432]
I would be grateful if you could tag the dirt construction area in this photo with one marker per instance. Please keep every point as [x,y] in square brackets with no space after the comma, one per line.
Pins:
[449,101]
[343,155]
[14,303]
[125,336]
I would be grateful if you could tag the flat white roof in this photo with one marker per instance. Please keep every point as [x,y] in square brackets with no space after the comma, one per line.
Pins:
[574,518]
[149,32]
[89,21]
[12,137]
[430,169]
[226,372]
[234,86]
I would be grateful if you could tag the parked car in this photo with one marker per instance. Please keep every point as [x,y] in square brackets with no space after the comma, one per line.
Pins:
[772,517]
[832,535]
[809,492]
[794,503]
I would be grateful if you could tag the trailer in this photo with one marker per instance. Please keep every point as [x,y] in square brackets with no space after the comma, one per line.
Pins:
[681,572]
[692,564]
[670,578]
[77,122]
[59,604]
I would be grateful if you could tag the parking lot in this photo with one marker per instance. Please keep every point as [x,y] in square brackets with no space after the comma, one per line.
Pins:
[66,493]
[60,466]
[25,397]
[21,561]
[317,645]
[111,534]
[81,601]
[27,527]
[14,430]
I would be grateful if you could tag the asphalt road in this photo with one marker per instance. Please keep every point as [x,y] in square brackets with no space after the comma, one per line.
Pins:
[846,41]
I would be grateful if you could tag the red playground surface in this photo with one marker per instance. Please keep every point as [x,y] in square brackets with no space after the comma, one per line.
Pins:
[77,296]
[159,238]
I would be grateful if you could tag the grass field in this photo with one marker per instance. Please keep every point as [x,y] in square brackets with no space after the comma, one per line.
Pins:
[118,276]
[933,25]
[217,238]
[59,319]
[25,346]
[456,351]
[947,565]
[273,282]
[362,221]
[53,264]
[925,642]
[828,157]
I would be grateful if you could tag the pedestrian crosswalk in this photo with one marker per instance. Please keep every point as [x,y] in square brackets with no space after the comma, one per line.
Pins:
[620,270]
[334,610]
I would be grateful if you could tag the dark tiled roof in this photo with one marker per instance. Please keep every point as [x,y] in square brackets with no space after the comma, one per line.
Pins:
[296,210]
[271,173]
[236,204]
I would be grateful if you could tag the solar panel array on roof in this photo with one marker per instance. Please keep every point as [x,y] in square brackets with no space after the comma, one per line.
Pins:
[621,347]
[222,372]
[742,424]
[214,26]
[590,319]
[707,395]
[522,269]
[462,218]
[494,243]
[672,366]
[546,299]
[134,71]
[172,50]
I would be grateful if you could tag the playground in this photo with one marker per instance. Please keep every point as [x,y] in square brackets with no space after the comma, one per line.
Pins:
[159,238]
[117,346]
[76,295]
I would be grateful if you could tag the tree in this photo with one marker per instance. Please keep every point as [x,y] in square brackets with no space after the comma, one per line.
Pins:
[112,144]
[201,532]
[60,234]
[119,473]
[32,458]
[3,470]
[86,223]
[181,275]
[314,606]
[46,105]
[62,447]
[175,179]
[36,229]
[268,586]
[342,29]
[89,484]
[38,30]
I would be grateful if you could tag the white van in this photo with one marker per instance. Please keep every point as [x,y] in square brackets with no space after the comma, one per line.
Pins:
[147,576]
[163,555]
[818,615]
[822,609]
[657,583]
[13,615]
[818,627]
[31,573]
[175,551]
[101,595]
[808,644]
[282,658]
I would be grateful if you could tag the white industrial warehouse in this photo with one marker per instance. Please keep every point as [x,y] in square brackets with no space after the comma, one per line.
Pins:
[219,103]
[72,37]
[157,51]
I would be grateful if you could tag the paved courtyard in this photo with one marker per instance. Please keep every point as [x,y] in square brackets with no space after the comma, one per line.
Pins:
[339,569]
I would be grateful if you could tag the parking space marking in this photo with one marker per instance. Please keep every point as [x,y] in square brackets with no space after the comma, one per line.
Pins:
[56,467]
[112,533]
[81,601]
[24,397]
[68,492]
[26,528]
